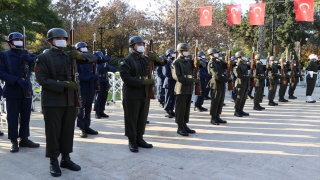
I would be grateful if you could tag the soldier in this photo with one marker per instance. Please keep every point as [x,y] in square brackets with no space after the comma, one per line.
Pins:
[250,89]
[160,80]
[242,84]
[217,85]
[203,72]
[295,75]
[101,96]
[1,133]
[273,79]
[53,71]
[182,69]
[234,78]
[169,84]
[13,62]
[86,78]
[284,84]
[259,78]
[133,72]
[313,67]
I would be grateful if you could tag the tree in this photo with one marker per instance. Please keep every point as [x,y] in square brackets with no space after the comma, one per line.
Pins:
[35,15]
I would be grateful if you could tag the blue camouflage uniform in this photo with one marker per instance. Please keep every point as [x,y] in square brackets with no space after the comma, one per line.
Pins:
[160,80]
[204,76]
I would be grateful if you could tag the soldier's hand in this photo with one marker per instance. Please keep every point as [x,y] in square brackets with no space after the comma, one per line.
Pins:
[153,56]
[23,83]
[148,81]
[268,66]
[71,85]
[195,80]
[197,62]
[230,79]
[74,54]
[27,57]
[231,63]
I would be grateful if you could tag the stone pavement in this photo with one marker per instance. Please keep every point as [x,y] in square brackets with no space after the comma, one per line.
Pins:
[281,142]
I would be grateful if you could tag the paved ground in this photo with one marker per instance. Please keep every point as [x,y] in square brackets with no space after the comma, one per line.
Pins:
[281,142]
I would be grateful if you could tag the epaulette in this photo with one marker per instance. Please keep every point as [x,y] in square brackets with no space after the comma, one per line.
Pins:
[122,62]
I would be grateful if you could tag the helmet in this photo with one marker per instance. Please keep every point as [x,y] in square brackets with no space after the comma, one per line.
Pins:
[200,53]
[313,56]
[239,54]
[233,58]
[212,51]
[46,50]
[183,47]
[257,56]
[273,58]
[81,44]
[135,39]
[169,51]
[14,35]
[56,32]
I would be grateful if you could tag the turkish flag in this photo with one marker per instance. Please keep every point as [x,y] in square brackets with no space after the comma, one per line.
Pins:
[205,14]
[257,12]
[234,14]
[304,10]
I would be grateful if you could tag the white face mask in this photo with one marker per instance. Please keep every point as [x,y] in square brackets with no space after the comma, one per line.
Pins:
[243,58]
[203,57]
[173,55]
[84,49]
[185,53]
[61,43]
[140,49]
[215,55]
[18,43]
[220,58]
[276,62]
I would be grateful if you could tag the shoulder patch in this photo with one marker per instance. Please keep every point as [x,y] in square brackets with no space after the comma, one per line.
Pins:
[121,62]
[36,60]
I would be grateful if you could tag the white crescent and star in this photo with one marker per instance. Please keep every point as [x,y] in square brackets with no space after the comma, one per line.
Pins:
[205,11]
[234,9]
[304,4]
[254,11]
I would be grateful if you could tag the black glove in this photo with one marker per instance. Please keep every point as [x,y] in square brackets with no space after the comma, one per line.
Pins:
[23,83]
[148,82]
[154,57]
[71,85]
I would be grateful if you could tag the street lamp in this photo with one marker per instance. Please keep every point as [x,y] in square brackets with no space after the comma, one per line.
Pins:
[101,31]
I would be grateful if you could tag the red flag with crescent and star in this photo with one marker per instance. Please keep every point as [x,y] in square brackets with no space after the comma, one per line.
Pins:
[205,14]
[234,14]
[304,10]
[257,12]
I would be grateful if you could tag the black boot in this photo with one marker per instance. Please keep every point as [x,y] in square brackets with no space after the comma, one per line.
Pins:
[261,107]
[104,115]
[14,146]
[55,170]
[172,113]
[271,103]
[237,113]
[256,107]
[182,131]
[142,143]
[188,129]
[244,113]
[97,115]
[91,131]
[25,142]
[1,133]
[214,120]
[168,115]
[82,133]
[133,145]
[220,120]
[67,163]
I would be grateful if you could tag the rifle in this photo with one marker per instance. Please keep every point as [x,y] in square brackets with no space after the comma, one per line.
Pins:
[267,70]
[25,65]
[283,79]
[292,70]
[299,64]
[229,69]
[150,72]
[74,72]
[197,90]
[96,84]
[252,65]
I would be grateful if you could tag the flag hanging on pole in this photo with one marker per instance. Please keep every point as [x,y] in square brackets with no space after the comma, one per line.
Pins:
[304,10]
[234,14]
[257,12]
[205,14]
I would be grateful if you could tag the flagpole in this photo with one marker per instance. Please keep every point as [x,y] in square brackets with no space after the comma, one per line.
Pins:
[176,26]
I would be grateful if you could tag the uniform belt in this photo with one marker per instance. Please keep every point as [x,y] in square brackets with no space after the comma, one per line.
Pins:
[102,75]
[188,76]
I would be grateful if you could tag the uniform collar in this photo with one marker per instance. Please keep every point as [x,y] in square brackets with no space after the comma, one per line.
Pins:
[56,52]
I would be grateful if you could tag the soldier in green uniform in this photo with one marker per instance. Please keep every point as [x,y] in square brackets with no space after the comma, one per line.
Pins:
[259,78]
[182,69]
[284,85]
[273,79]
[241,84]
[53,73]
[295,75]
[135,102]
[217,84]
[313,67]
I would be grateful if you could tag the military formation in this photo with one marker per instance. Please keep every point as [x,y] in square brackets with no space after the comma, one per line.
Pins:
[75,79]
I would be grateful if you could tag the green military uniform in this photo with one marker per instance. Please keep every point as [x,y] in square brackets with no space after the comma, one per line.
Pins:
[241,84]
[295,75]
[283,86]
[52,71]
[273,79]
[217,84]
[259,78]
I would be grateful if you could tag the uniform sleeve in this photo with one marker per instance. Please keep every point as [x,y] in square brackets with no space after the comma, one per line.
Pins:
[83,77]
[216,75]
[239,75]
[111,68]
[8,78]
[160,73]
[44,79]
[90,58]
[179,76]
[167,71]
[126,77]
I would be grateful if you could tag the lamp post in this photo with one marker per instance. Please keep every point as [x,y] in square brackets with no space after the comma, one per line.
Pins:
[101,31]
